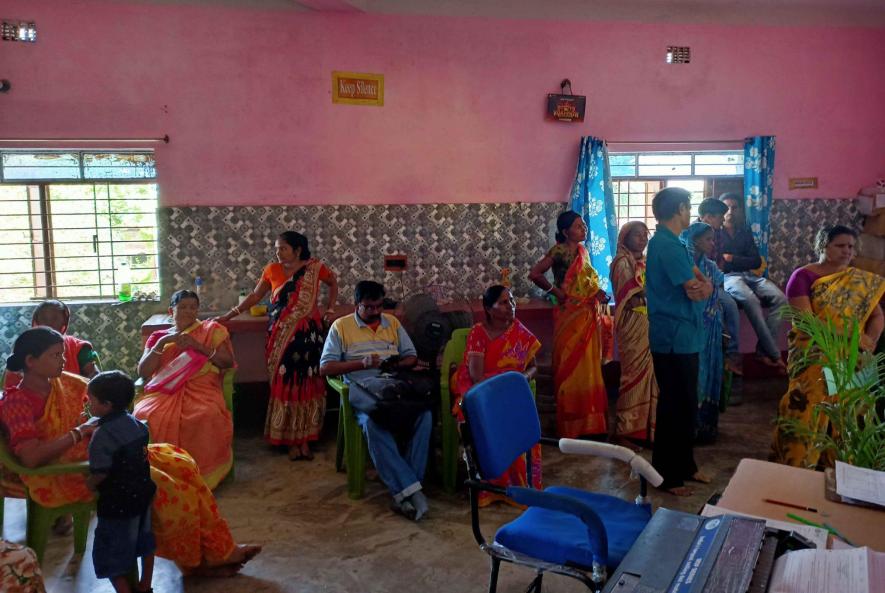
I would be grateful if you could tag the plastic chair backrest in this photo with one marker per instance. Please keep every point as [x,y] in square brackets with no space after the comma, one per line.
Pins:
[453,355]
[503,421]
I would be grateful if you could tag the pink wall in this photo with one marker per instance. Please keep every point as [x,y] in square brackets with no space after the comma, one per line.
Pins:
[245,97]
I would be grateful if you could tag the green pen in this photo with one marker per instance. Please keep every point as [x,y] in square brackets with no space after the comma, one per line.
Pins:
[830,529]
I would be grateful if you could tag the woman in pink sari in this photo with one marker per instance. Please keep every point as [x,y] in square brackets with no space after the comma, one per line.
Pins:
[183,402]
[494,346]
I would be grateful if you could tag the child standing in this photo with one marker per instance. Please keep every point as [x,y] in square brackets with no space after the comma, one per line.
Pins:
[119,471]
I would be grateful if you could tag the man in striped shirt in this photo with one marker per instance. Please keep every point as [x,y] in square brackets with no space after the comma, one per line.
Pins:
[355,347]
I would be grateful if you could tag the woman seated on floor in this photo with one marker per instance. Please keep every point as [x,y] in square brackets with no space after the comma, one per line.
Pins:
[494,346]
[183,401]
[80,357]
[832,290]
[43,420]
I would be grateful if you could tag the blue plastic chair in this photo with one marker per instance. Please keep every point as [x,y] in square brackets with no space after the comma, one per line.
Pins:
[564,530]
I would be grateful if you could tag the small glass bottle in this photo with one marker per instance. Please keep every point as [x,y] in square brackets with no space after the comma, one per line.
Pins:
[243,295]
[124,282]
[198,287]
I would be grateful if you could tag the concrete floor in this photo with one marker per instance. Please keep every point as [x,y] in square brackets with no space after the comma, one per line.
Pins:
[317,540]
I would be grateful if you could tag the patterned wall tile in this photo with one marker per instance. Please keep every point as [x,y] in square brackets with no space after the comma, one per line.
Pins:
[114,329]
[794,224]
[460,249]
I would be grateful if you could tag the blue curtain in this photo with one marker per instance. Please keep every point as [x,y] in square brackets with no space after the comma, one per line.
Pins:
[593,198]
[758,184]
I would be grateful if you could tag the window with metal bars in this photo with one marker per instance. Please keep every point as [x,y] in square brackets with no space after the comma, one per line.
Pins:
[637,177]
[69,221]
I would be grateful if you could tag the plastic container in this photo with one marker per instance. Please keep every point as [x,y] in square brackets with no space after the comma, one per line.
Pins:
[124,282]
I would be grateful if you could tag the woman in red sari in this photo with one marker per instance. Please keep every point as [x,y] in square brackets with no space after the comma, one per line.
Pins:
[43,421]
[497,345]
[80,357]
[294,343]
[581,401]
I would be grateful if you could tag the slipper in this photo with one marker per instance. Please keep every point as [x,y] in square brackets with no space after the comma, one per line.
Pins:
[680,491]
[295,455]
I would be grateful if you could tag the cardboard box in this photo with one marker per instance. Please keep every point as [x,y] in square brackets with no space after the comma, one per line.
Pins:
[871,246]
[877,266]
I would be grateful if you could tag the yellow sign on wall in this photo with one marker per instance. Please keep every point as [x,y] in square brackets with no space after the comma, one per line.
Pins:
[357,88]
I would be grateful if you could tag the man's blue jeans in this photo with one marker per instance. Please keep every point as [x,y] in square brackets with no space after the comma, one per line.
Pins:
[401,472]
[731,317]
[752,293]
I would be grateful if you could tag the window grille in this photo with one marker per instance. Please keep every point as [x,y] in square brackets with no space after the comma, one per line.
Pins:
[65,232]
[637,177]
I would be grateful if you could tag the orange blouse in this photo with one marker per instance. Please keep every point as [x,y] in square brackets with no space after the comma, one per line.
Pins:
[274,274]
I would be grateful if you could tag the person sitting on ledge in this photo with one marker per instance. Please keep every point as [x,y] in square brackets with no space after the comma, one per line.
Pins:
[738,257]
[355,347]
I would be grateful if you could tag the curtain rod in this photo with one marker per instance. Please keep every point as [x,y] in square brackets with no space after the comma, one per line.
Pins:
[164,139]
[674,141]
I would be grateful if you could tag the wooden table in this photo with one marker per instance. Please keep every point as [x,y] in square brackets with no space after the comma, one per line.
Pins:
[248,333]
[756,480]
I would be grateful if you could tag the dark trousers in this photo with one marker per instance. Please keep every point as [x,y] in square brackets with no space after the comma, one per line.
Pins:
[673,453]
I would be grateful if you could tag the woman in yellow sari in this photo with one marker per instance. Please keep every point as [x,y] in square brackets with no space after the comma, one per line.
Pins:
[831,289]
[638,395]
[183,402]
[581,401]
[43,420]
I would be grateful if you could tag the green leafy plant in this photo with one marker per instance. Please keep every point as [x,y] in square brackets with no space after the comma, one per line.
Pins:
[856,431]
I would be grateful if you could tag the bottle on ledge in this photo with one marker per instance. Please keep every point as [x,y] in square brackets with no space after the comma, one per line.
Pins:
[124,282]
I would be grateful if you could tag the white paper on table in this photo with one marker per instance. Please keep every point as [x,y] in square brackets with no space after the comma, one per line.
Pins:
[815,535]
[859,570]
[860,483]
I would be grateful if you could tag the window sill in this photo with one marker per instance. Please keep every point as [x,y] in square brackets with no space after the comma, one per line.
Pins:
[79,302]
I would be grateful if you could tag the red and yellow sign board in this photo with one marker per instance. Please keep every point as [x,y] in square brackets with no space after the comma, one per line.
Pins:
[357,88]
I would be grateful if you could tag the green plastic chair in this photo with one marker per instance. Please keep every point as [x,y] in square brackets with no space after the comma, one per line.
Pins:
[40,518]
[452,357]
[352,449]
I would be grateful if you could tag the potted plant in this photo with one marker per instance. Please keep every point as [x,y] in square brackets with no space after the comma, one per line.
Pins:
[854,430]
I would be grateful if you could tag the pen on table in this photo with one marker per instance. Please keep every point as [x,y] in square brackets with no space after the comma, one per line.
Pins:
[790,504]
[829,528]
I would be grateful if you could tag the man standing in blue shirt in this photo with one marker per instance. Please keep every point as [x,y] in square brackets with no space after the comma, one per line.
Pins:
[675,291]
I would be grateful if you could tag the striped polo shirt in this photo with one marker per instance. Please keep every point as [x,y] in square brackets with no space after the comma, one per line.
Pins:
[351,339]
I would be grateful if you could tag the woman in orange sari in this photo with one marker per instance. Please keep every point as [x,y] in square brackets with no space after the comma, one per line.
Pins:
[294,343]
[183,401]
[638,394]
[497,345]
[42,418]
[581,401]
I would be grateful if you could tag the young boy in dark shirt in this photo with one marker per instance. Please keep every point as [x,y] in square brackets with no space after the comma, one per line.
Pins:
[119,471]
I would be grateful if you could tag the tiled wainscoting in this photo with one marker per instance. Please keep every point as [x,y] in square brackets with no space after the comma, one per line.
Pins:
[458,249]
